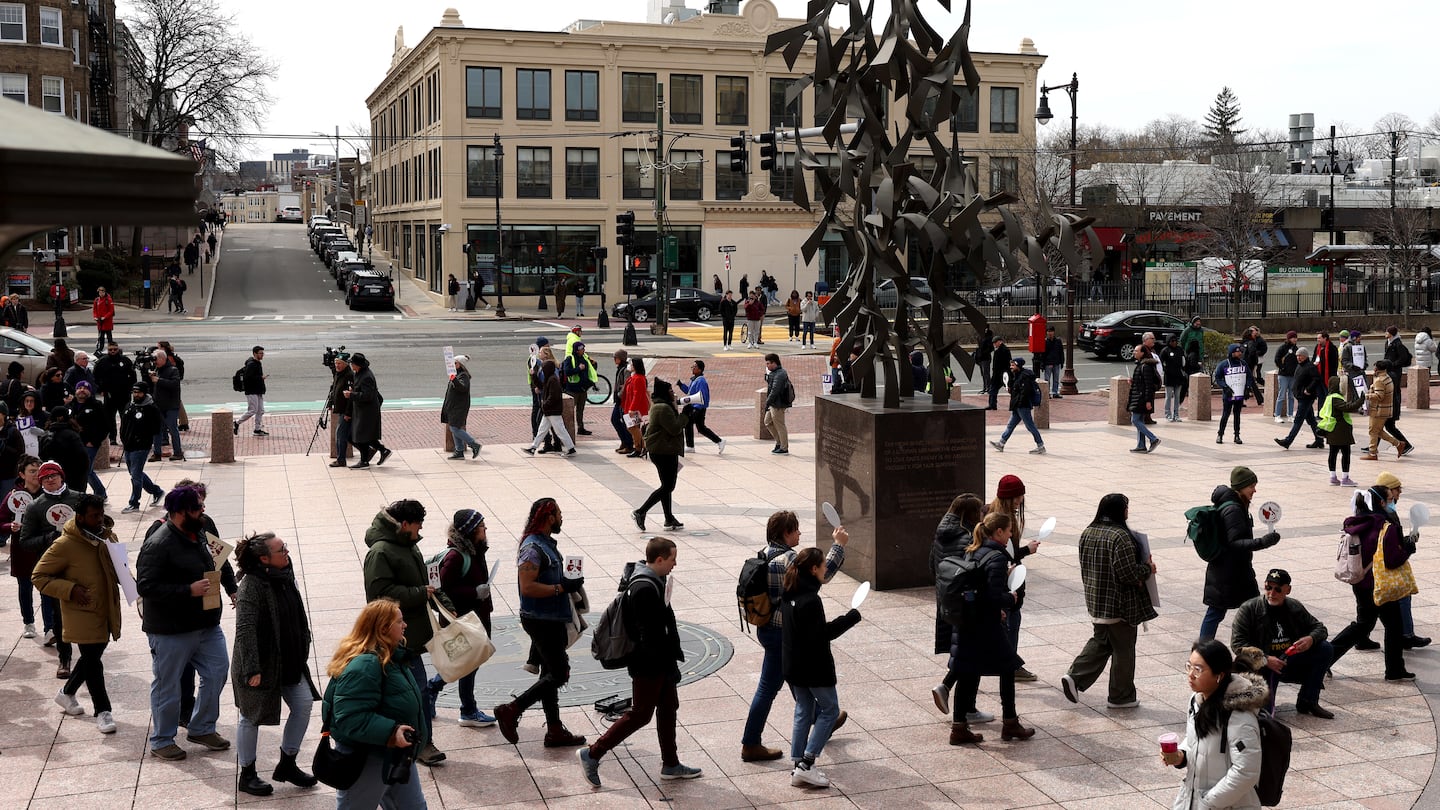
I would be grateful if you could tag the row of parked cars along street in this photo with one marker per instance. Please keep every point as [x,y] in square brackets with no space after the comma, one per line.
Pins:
[363,285]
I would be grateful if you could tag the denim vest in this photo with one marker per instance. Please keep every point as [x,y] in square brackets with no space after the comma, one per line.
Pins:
[549,608]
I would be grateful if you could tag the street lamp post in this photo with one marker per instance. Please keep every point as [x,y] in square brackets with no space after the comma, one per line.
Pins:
[499,235]
[1068,383]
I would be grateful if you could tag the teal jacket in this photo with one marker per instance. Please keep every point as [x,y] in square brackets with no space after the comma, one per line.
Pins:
[366,703]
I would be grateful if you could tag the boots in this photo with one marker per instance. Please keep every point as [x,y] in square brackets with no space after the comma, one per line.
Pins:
[1012,730]
[288,771]
[251,783]
[558,736]
[960,734]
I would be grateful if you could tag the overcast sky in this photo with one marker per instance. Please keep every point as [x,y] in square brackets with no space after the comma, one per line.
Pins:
[1137,59]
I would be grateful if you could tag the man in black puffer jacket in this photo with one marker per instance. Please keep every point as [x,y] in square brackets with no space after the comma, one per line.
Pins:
[1230,577]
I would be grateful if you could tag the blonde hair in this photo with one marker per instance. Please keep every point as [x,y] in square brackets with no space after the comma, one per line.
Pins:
[993,522]
[370,634]
[1015,508]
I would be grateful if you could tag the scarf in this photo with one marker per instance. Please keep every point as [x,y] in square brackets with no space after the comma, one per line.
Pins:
[291,623]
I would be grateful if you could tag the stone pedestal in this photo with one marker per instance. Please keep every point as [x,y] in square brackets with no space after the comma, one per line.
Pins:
[892,473]
[1272,391]
[1415,394]
[1197,405]
[568,417]
[761,432]
[332,423]
[1115,412]
[102,456]
[1041,414]
[222,437]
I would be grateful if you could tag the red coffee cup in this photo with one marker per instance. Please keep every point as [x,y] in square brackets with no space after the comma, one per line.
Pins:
[1169,743]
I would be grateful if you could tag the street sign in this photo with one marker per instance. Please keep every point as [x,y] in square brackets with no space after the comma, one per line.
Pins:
[727,248]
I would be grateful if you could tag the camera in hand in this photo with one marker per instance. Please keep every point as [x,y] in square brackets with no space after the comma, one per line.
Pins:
[144,362]
[400,760]
[328,359]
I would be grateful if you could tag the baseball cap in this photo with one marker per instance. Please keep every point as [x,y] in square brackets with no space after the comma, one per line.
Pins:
[50,468]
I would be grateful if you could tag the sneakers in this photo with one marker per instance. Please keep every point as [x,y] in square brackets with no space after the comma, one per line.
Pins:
[679,771]
[48,639]
[529,451]
[1279,420]
[1038,451]
[941,694]
[384,454]
[721,450]
[590,766]
[673,524]
[1333,480]
[156,498]
[130,510]
[1153,445]
[172,752]
[978,716]
[235,426]
[1024,675]
[570,452]
[68,704]
[29,631]
[999,446]
[212,741]
[808,776]
[105,721]
[259,432]
[476,719]
[639,519]
[475,450]
[1067,685]
[1346,482]
[780,451]
[1124,704]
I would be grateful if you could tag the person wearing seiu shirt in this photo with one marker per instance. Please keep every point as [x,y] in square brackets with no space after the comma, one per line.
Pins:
[1236,382]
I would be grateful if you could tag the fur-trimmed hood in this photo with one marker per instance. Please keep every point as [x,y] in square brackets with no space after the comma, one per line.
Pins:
[1247,692]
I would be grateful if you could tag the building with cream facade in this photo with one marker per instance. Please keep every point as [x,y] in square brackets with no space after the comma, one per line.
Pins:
[576,118]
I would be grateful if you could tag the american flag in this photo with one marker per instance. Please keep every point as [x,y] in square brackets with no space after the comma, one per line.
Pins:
[197,151]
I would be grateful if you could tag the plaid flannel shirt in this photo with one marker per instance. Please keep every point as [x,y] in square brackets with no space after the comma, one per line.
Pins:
[834,558]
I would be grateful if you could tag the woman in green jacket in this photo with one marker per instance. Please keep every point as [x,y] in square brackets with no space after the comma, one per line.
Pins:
[665,441]
[372,704]
[1341,436]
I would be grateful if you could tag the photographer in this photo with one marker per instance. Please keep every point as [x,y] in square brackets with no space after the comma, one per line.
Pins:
[165,381]
[339,404]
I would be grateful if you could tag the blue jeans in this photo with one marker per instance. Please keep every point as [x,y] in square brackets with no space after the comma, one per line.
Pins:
[617,421]
[807,330]
[466,690]
[135,461]
[1407,621]
[298,700]
[27,601]
[1172,401]
[1141,432]
[1284,395]
[1016,417]
[771,678]
[1052,373]
[168,656]
[461,438]
[816,710]
[370,790]
[342,437]
[94,480]
[172,427]
[1211,623]
[422,683]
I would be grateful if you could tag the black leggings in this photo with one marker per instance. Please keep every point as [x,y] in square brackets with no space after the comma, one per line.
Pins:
[793,321]
[968,686]
[90,670]
[1390,425]
[1343,451]
[1366,613]
[547,640]
[668,466]
[727,332]
[697,423]
[368,449]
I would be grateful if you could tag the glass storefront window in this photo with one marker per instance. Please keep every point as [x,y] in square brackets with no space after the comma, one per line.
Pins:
[535,256]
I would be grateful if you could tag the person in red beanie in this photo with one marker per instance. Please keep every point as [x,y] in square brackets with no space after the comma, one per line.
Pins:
[1010,500]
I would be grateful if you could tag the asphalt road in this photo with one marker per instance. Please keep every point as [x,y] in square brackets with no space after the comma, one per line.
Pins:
[268,269]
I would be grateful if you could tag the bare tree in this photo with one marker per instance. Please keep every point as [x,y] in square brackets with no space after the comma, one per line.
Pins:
[1405,229]
[1241,201]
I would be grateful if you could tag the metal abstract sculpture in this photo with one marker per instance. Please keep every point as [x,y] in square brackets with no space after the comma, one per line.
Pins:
[892,206]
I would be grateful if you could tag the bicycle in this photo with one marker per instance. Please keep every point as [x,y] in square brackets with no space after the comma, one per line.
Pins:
[599,393]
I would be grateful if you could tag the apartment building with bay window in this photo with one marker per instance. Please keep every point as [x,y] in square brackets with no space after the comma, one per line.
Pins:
[575,117]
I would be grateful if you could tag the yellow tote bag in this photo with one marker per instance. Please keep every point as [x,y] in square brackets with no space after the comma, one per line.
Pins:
[1391,584]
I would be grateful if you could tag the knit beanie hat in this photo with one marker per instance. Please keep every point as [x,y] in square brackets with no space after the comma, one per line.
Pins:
[1387,480]
[1010,487]
[49,468]
[467,521]
[1242,477]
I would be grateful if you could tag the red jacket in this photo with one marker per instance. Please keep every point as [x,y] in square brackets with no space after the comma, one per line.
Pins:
[636,397]
[103,311]
[754,311]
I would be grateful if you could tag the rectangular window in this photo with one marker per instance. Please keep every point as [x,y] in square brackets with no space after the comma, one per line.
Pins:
[1004,174]
[782,177]
[75,105]
[480,174]
[582,174]
[1004,109]
[12,22]
[687,176]
[635,184]
[685,99]
[15,86]
[532,171]
[52,94]
[967,111]
[782,115]
[49,26]
[732,101]
[728,185]
[582,95]
[637,97]
[482,92]
[532,95]
[75,45]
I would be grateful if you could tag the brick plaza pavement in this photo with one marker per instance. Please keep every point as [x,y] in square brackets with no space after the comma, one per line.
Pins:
[1378,753]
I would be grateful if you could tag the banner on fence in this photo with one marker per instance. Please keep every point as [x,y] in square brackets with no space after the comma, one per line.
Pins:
[1293,288]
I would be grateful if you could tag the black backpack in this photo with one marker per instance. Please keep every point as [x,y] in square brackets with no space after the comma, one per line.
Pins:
[960,586]
[613,639]
[752,592]
[1275,745]
[237,382]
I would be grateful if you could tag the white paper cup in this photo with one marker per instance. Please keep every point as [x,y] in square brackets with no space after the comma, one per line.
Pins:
[574,566]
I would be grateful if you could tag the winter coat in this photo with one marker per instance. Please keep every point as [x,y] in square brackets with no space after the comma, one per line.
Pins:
[1172,365]
[76,374]
[253,378]
[778,389]
[365,402]
[657,640]
[754,311]
[167,388]
[115,374]
[810,311]
[80,559]
[1054,352]
[467,590]
[60,358]
[983,647]
[1307,386]
[1381,397]
[1343,434]
[339,403]
[64,446]
[1144,382]
[169,561]
[792,307]
[257,646]
[1221,372]
[1326,358]
[1230,577]
[37,528]
[456,409]
[999,362]
[1192,345]
[139,423]
[1022,389]
[1225,780]
[395,568]
[1250,628]
[1285,360]
[1114,575]
[103,313]
[22,562]
[552,396]
[367,702]
[806,659]
[728,309]
[952,537]
[665,432]
[1424,350]
[1376,529]
[95,421]
[636,398]
[12,446]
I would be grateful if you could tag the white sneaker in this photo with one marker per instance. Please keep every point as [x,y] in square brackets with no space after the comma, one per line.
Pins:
[69,704]
[941,695]
[808,777]
[29,631]
[721,450]
[978,716]
[1279,420]
[105,721]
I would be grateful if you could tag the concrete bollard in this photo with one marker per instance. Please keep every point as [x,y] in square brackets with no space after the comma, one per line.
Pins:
[1197,406]
[1272,391]
[1041,414]
[1116,414]
[102,455]
[1416,394]
[761,431]
[333,423]
[568,416]
[222,437]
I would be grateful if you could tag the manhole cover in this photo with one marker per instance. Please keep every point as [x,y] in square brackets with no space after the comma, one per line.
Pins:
[501,677]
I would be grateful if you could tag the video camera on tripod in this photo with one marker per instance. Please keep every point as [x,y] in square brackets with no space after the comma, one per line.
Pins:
[144,362]
[328,359]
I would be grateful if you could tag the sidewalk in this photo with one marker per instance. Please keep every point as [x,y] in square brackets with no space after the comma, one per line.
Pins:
[1378,753]
[197,298]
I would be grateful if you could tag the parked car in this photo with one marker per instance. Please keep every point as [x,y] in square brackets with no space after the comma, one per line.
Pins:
[886,296]
[370,288]
[290,213]
[29,350]
[1119,333]
[334,247]
[1022,291]
[344,267]
[319,235]
[686,303]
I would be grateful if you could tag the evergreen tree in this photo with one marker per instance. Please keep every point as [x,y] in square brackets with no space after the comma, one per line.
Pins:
[1223,120]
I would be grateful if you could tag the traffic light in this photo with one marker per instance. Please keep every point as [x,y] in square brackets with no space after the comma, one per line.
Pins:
[767,151]
[625,230]
[739,154]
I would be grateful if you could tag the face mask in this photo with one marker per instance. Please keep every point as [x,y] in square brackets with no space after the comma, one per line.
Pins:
[1390,507]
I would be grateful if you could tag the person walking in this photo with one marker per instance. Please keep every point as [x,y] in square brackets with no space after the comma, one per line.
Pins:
[809,315]
[1010,500]
[621,358]
[452,293]
[578,375]
[1381,400]
[999,367]
[1397,358]
[253,378]
[93,419]
[373,706]
[1022,396]
[365,421]
[192,255]
[782,536]
[779,397]
[455,411]
[40,525]
[562,289]
[1114,571]
[698,390]
[1230,575]
[211,242]
[952,537]
[270,663]
[1338,427]
[1221,752]
[140,423]
[339,404]
[636,402]
[1307,388]
[545,611]
[981,644]
[663,435]
[1285,365]
[1144,383]
[792,315]
[754,317]
[1236,382]
[22,562]
[729,308]
[1172,374]
[1377,526]
[102,311]
[465,580]
[552,410]
[652,666]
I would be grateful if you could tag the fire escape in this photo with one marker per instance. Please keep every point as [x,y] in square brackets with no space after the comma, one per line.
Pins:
[102,86]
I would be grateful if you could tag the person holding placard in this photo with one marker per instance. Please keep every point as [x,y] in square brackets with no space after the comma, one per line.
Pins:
[1340,431]
[27,486]
[39,528]
[1235,381]
[1230,574]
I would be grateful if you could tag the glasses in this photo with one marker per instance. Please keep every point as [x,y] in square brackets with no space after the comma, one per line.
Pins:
[1193,668]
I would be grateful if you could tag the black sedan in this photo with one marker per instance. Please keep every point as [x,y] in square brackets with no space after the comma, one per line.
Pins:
[686,303]
[1120,332]
[369,288]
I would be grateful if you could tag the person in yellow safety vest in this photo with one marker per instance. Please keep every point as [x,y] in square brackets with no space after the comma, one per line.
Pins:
[571,339]
[578,375]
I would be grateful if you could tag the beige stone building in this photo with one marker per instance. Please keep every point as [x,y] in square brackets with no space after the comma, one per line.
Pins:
[574,113]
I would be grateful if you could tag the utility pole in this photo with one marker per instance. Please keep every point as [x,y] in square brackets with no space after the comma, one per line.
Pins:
[499,235]
[662,288]
[1394,231]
